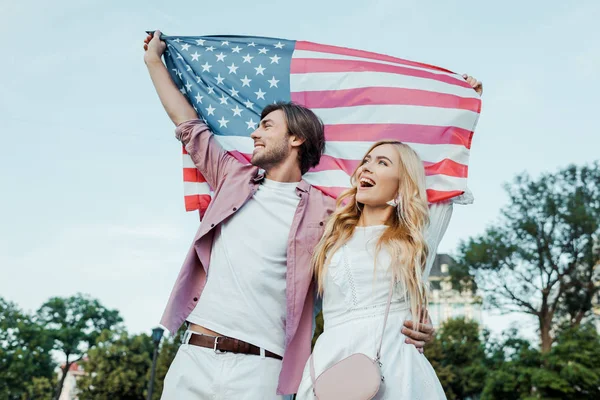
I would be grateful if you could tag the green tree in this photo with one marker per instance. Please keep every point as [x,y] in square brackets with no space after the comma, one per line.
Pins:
[116,369]
[542,257]
[458,356]
[25,360]
[40,388]
[572,367]
[120,369]
[511,363]
[75,324]
[569,371]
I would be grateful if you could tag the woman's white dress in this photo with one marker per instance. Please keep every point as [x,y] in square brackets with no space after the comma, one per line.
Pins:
[354,301]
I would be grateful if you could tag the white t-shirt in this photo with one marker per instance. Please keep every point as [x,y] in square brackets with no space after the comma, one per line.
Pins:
[244,296]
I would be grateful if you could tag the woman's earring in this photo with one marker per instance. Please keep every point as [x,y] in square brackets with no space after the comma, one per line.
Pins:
[394,202]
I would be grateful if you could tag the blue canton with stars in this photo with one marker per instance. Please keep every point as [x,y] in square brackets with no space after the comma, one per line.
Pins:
[230,79]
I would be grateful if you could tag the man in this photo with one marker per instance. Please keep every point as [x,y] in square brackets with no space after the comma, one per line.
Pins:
[245,287]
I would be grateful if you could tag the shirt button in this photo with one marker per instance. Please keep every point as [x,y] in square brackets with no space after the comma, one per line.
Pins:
[195,299]
[321,223]
[234,208]
[212,225]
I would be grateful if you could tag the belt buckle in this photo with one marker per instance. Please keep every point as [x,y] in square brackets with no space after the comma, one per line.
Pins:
[216,344]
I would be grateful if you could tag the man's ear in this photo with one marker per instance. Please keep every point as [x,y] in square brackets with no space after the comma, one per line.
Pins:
[296,141]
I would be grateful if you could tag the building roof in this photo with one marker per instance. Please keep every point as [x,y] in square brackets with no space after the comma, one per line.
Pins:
[436,269]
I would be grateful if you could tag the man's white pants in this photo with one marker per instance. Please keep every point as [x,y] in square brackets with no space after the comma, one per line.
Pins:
[199,373]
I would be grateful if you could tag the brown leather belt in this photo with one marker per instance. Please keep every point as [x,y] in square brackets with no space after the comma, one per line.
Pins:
[227,344]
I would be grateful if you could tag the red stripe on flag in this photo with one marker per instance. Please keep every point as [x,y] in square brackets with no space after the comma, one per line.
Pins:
[192,175]
[381,95]
[309,46]
[198,202]
[445,167]
[433,196]
[184,150]
[309,65]
[424,134]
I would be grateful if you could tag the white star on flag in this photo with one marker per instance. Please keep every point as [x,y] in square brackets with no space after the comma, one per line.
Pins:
[220,79]
[210,110]
[273,82]
[234,93]
[188,86]
[206,67]
[279,45]
[248,104]
[248,58]
[225,43]
[237,111]
[259,70]
[246,81]
[200,42]
[220,57]
[223,122]
[263,50]
[275,59]
[236,49]
[210,48]
[199,98]
[223,99]
[260,94]
[195,56]
[232,68]
[251,124]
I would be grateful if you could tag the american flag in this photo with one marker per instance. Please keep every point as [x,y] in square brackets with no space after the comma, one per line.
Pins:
[362,97]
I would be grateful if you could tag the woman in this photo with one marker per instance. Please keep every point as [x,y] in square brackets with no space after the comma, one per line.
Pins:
[378,235]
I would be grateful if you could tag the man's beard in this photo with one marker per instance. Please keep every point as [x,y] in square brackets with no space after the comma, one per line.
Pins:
[268,158]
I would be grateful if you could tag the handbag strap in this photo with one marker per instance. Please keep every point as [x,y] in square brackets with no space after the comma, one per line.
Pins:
[387,312]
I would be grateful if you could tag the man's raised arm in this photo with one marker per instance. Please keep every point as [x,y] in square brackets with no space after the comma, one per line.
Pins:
[175,104]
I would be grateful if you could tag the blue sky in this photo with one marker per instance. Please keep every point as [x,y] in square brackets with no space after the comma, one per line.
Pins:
[90,172]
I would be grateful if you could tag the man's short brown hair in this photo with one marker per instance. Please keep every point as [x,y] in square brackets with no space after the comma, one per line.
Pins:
[303,123]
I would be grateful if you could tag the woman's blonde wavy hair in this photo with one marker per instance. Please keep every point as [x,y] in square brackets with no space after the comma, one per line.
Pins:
[404,237]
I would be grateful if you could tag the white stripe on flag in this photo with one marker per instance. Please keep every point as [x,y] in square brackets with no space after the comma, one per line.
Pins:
[309,82]
[331,56]
[353,150]
[243,144]
[398,114]
[193,188]
[187,161]
[432,153]
[338,178]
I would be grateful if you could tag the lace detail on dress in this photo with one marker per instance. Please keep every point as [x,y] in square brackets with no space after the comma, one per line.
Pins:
[341,275]
[350,279]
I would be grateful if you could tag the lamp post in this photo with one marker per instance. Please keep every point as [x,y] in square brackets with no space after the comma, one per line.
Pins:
[157,334]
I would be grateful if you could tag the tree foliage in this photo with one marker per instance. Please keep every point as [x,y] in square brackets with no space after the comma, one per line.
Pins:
[542,257]
[74,324]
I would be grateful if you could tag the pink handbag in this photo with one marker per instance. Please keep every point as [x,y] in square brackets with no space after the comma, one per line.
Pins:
[356,377]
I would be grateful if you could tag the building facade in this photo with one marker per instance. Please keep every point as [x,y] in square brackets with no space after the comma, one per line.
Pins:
[446,301]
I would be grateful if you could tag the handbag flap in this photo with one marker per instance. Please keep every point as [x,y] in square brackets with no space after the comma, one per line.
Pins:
[356,377]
